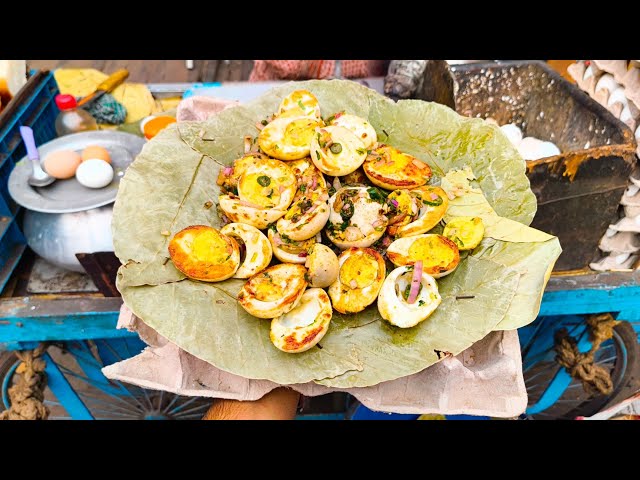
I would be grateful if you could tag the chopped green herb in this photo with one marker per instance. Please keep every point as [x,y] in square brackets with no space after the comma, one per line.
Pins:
[331,191]
[361,151]
[270,194]
[347,211]
[421,303]
[264,180]
[286,238]
[435,202]
[300,104]
[303,188]
[318,155]
[376,194]
[264,122]
[335,148]
[457,241]
[330,119]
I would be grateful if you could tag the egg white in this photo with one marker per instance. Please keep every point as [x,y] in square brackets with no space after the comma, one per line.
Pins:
[299,225]
[351,156]
[288,138]
[257,247]
[366,212]
[359,126]
[303,326]
[323,266]
[299,103]
[428,215]
[299,248]
[394,308]
[349,299]
[274,291]
[399,253]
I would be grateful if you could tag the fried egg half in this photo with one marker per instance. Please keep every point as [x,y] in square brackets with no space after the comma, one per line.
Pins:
[256,246]
[306,217]
[274,291]
[392,301]
[265,191]
[288,138]
[309,179]
[360,278]
[299,103]
[304,326]
[432,205]
[359,126]
[402,209]
[387,167]
[439,255]
[228,177]
[203,253]
[356,217]
[337,151]
[287,250]
[323,266]
[465,232]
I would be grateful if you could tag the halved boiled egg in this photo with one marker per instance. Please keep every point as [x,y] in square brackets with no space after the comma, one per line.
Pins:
[305,218]
[362,129]
[299,103]
[398,306]
[387,167]
[439,255]
[323,266]
[304,326]
[465,232]
[360,278]
[337,151]
[265,191]
[229,176]
[274,291]
[356,216]
[203,253]
[432,204]
[287,250]
[309,179]
[402,209]
[288,138]
[254,244]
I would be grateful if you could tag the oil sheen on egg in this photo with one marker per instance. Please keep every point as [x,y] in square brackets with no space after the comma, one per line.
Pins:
[465,232]
[337,151]
[204,253]
[359,126]
[62,164]
[299,103]
[360,278]
[393,299]
[288,138]
[257,249]
[439,255]
[389,168]
[305,325]
[94,173]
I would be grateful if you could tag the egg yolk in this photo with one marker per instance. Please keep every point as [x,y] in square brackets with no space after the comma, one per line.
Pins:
[432,251]
[297,103]
[155,125]
[398,162]
[265,289]
[405,202]
[261,189]
[465,232]
[300,132]
[363,269]
[209,246]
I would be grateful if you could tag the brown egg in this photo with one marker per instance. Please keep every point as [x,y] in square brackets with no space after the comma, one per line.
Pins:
[95,151]
[62,164]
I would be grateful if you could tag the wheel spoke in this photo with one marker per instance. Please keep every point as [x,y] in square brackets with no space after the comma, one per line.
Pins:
[180,407]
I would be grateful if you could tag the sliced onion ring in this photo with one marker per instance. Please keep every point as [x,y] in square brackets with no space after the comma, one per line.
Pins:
[415,282]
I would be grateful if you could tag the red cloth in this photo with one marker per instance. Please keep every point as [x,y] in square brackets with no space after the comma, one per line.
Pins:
[305,69]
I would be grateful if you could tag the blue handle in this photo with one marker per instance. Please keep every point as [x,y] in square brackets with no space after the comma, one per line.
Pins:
[27,136]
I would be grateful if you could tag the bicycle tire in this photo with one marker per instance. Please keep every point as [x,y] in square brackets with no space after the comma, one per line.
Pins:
[7,361]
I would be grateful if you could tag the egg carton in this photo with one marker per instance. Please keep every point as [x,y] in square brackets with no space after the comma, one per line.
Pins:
[615,84]
[621,241]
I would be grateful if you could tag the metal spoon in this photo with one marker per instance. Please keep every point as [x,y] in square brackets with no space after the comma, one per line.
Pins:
[38,177]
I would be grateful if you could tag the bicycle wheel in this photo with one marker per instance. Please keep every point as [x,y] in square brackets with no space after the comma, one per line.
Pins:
[620,356]
[80,364]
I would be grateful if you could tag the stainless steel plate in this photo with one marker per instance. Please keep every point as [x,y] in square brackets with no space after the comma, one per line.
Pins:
[64,196]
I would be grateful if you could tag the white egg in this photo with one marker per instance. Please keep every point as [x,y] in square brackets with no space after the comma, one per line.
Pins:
[94,173]
[530,148]
[606,82]
[549,149]
[257,247]
[513,133]
[362,129]
[392,302]
[303,326]
[337,151]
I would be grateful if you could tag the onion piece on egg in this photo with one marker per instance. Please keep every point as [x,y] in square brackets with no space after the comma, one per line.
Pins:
[303,326]
[287,250]
[439,255]
[433,202]
[393,303]
[465,232]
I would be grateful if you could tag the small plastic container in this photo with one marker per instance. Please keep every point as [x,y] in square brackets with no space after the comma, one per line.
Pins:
[72,119]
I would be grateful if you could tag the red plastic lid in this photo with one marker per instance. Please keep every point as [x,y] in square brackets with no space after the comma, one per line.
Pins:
[66,102]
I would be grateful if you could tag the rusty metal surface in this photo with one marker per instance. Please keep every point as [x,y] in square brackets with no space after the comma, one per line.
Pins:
[597,281]
[579,190]
[102,267]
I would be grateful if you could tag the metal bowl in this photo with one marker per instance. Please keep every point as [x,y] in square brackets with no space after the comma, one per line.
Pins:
[57,237]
